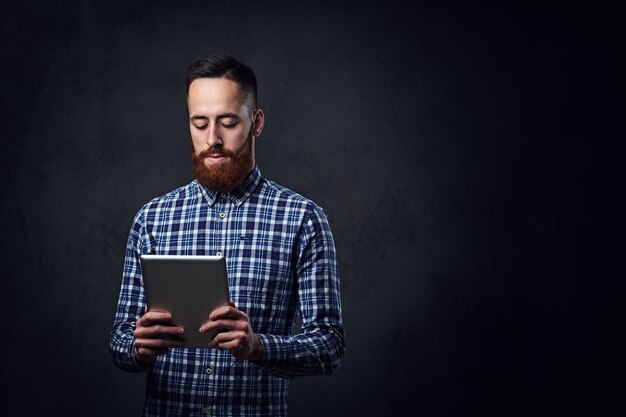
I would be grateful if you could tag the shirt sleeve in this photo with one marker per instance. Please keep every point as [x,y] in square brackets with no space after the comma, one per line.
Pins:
[320,347]
[131,304]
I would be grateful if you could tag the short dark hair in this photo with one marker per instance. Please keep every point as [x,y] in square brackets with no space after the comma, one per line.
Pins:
[224,66]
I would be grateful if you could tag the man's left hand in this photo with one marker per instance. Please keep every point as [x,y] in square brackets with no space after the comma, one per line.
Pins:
[236,334]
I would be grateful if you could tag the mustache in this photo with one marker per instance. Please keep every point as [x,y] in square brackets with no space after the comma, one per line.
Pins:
[216,150]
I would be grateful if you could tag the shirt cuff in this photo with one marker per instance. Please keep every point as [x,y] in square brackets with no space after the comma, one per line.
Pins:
[273,350]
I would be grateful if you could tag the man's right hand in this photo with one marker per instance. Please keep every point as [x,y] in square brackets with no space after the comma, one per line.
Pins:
[155,334]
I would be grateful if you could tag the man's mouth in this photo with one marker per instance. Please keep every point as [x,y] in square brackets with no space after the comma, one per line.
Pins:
[216,157]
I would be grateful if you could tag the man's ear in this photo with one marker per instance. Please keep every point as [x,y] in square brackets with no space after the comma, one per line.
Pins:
[258,121]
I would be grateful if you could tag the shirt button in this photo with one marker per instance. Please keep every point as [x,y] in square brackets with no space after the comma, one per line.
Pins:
[210,201]
[222,215]
[224,195]
[205,410]
[237,201]
[209,371]
[218,254]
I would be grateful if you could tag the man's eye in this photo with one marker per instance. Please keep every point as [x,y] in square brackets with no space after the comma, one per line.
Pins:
[229,125]
[201,127]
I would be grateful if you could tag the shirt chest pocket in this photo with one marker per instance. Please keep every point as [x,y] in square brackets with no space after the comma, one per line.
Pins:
[261,266]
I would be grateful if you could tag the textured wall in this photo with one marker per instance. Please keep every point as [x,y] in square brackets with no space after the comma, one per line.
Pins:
[467,157]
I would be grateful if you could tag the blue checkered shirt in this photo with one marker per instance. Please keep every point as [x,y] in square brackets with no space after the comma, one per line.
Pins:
[280,258]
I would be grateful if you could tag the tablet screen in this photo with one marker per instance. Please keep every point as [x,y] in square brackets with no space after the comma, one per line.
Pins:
[189,287]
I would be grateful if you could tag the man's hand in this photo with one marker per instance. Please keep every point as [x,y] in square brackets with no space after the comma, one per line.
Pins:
[155,335]
[235,335]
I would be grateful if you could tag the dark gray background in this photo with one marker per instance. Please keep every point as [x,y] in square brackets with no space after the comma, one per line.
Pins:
[467,156]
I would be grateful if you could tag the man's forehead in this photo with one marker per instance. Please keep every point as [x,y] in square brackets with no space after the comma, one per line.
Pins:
[215,94]
[214,88]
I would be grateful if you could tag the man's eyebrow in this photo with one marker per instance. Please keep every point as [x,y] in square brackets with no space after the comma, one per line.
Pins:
[225,115]
[221,116]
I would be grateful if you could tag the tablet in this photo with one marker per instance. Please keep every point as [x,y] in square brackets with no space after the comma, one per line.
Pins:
[189,287]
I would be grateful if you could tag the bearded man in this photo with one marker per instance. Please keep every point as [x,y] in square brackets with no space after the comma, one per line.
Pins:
[280,258]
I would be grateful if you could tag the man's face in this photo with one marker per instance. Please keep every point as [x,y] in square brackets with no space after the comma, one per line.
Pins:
[223,132]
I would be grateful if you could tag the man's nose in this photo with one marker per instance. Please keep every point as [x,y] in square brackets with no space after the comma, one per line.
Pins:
[214,137]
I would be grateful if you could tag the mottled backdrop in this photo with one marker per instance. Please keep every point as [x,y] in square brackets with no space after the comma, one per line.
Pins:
[467,156]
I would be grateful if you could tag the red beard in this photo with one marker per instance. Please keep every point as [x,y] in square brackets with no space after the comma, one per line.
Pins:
[227,175]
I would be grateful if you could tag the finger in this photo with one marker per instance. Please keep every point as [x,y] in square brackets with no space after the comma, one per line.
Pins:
[232,345]
[220,312]
[227,312]
[227,340]
[157,310]
[152,317]
[217,324]
[225,325]
[159,330]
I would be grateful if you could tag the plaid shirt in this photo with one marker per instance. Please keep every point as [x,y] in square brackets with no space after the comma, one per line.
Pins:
[280,258]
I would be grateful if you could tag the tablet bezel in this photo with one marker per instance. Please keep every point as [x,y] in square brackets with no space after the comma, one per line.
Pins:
[189,287]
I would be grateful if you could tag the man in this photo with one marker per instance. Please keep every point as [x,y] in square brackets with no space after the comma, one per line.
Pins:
[280,260]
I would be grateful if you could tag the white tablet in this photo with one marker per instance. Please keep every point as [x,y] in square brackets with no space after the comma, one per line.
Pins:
[189,287]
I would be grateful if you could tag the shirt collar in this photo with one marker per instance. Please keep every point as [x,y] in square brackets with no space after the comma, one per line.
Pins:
[239,194]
